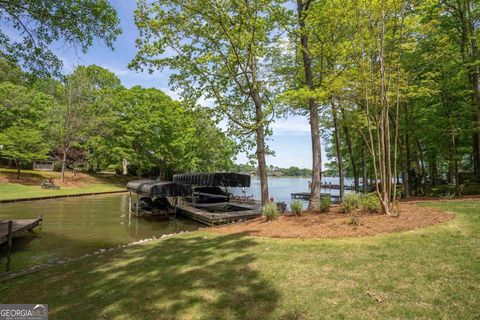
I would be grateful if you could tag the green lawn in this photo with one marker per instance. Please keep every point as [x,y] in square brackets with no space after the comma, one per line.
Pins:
[431,273]
[28,186]
[18,191]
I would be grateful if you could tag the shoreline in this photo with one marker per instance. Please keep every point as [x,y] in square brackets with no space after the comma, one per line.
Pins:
[61,196]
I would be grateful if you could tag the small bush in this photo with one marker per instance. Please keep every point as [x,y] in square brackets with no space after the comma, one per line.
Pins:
[353,221]
[371,203]
[350,202]
[444,189]
[270,211]
[447,196]
[471,188]
[325,203]
[296,207]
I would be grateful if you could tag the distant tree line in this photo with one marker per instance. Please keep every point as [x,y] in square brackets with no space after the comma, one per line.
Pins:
[273,170]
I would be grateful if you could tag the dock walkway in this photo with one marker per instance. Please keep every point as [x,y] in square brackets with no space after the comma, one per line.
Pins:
[306,196]
[17,227]
[217,218]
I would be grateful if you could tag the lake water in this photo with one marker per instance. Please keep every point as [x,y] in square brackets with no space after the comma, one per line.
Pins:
[76,226]
[281,188]
[73,227]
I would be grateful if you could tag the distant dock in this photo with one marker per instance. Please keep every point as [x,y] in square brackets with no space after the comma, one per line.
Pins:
[11,228]
[337,187]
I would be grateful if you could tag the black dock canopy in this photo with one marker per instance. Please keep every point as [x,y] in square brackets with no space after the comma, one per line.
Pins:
[225,179]
[159,189]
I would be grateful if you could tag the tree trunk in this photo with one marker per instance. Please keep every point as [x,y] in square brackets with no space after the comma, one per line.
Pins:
[405,173]
[262,167]
[313,113]
[17,165]
[64,165]
[475,80]
[433,171]
[466,25]
[316,184]
[124,166]
[408,159]
[420,170]
[364,171]
[352,157]
[339,151]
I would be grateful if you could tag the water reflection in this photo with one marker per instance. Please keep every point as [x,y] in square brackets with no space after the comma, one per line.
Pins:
[75,226]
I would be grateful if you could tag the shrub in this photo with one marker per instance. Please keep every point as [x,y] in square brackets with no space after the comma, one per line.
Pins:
[447,196]
[325,203]
[270,211]
[471,188]
[353,221]
[371,203]
[296,207]
[350,202]
[444,189]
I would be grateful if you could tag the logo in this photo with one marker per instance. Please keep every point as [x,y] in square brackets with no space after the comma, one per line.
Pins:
[23,311]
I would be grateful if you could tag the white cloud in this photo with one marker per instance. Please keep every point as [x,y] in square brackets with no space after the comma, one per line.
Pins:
[116,70]
[293,125]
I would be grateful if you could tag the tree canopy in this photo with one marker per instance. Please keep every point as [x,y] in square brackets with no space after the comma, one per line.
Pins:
[30,27]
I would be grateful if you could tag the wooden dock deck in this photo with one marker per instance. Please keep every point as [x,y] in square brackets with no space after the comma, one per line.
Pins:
[306,196]
[216,218]
[337,187]
[17,227]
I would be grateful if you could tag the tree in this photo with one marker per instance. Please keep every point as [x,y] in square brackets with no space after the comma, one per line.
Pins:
[219,51]
[22,105]
[376,86]
[316,61]
[69,117]
[35,24]
[316,184]
[22,144]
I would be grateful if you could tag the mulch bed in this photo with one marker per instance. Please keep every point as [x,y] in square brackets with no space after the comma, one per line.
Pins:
[335,224]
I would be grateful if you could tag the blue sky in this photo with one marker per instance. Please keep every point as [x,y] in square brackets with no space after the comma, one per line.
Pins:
[291,137]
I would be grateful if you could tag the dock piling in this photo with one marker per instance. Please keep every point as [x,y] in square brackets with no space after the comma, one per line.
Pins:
[10,233]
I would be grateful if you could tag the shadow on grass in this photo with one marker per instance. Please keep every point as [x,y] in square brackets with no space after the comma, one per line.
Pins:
[118,181]
[26,178]
[194,277]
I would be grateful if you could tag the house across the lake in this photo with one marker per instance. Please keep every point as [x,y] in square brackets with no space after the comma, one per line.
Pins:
[43,165]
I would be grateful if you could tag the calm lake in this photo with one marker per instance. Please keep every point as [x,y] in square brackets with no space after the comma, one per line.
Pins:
[281,188]
[73,227]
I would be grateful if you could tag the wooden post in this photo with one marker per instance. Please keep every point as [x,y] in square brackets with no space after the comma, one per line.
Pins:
[138,199]
[129,203]
[10,233]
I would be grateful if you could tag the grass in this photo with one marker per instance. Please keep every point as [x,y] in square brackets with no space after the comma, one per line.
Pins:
[431,273]
[28,186]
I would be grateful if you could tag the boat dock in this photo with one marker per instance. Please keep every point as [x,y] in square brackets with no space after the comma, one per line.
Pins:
[10,228]
[337,187]
[306,196]
[217,218]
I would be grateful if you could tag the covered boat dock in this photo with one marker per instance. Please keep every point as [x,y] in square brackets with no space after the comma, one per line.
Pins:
[198,196]
[162,194]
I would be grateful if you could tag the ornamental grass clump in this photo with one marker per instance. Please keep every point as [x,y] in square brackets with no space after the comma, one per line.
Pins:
[296,207]
[371,203]
[350,202]
[325,203]
[270,211]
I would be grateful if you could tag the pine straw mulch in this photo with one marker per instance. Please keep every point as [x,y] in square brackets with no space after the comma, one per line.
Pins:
[335,224]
